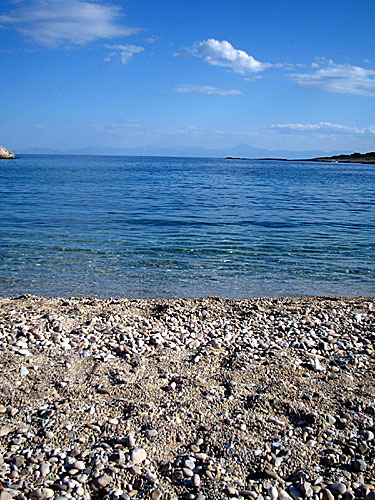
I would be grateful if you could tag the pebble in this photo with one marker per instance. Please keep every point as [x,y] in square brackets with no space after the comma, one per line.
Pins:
[196,481]
[359,465]
[138,455]
[273,492]
[4,495]
[42,493]
[283,495]
[207,386]
[130,441]
[103,481]
[79,465]
[5,430]
[367,435]
[44,469]
[189,464]
[337,488]
[24,371]
[327,495]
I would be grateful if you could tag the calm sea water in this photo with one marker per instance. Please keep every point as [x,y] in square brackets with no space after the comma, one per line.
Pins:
[185,227]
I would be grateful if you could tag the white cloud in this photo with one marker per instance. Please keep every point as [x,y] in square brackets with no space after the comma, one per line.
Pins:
[151,39]
[322,127]
[127,127]
[339,78]
[55,22]
[205,89]
[126,52]
[224,54]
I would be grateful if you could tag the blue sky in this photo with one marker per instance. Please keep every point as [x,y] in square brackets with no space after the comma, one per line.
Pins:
[274,74]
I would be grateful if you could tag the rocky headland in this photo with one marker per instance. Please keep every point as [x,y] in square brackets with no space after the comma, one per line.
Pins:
[6,154]
[260,399]
[353,158]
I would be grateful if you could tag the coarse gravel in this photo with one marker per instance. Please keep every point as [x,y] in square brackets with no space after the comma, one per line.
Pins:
[213,398]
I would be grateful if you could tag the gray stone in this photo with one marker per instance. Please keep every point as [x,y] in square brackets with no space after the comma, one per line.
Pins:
[24,371]
[337,488]
[138,455]
[103,481]
[5,430]
[130,441]
[151,433]
[187,472]
[42,493]
[78,464]
[4,495]
[307,489]
[247,494]
[189,464]
[196,481]
[367,435]
[283,495]
[359,465]
[273,493]
[44,469]
[327,495]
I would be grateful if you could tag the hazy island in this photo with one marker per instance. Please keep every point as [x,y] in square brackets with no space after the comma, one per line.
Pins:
[353,158]
[235,158]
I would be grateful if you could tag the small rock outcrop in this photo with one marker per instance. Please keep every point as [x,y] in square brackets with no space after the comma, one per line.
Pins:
[5,154]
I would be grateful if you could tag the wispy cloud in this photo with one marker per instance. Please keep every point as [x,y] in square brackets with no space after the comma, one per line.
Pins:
[151,39]
[55,22]
[339,78]
[205,89]
[322,127]
[224,54]
[124,52]
[127,127]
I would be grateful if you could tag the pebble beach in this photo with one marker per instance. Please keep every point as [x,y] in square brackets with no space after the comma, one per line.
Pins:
[213,398]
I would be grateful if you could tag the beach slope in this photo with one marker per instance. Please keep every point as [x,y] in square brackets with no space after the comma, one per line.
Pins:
[208,398]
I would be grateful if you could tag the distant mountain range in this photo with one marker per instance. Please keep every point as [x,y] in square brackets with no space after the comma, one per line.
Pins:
[240,150]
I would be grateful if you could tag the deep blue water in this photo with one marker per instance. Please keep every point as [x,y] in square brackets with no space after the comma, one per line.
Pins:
[185,227]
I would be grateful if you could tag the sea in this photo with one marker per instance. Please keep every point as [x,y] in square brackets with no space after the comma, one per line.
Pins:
[162,227]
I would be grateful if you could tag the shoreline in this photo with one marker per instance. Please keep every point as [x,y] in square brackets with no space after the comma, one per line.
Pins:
[187,398]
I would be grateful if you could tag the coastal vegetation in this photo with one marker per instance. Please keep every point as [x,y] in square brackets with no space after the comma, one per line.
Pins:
[353,158]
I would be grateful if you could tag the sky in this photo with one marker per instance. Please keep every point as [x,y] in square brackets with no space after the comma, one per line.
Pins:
[273,74]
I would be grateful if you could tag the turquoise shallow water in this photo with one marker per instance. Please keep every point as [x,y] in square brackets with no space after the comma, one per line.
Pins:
[185,227]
